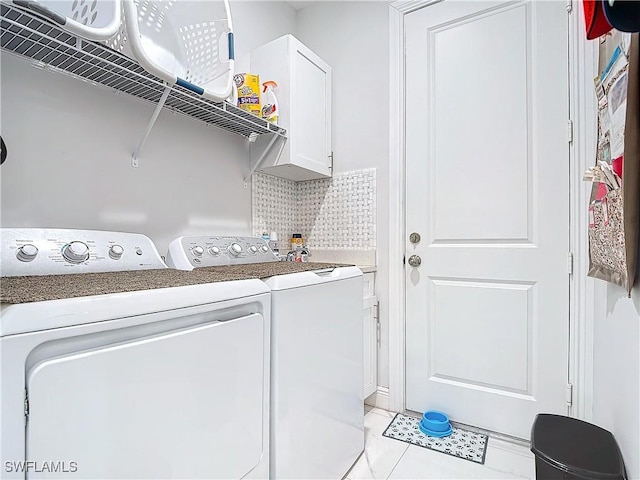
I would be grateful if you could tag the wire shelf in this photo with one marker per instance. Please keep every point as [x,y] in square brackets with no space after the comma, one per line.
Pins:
[27,35]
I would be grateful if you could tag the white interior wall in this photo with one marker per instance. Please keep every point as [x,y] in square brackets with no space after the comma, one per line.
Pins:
[256,23]
[353,37]
[70,145]
[616,399]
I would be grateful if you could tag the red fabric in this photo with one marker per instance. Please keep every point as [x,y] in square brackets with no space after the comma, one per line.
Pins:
[616,164]
[594,18]
[602,191]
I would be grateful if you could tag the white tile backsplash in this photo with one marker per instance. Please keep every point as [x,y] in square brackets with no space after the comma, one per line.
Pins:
[337,213]
[273,203]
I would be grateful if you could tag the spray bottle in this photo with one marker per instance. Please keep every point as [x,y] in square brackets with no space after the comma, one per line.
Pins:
[270,111]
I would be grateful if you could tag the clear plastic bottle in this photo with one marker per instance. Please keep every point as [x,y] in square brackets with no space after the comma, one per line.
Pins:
[273,243]
[270,110]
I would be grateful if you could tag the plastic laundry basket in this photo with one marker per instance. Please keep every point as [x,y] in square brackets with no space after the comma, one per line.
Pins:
[570,449]
[188,43]
[92,19]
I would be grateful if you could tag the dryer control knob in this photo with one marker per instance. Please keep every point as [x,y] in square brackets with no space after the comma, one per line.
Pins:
[253,249]
[264,249]
[116,252]
[75,252]
[27,253]
[197,250]
[215,251]
[235,249]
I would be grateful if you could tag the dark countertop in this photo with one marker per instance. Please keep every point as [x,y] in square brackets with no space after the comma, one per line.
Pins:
[55,287]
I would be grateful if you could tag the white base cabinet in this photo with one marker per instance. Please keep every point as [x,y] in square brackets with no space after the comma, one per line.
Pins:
[304,100]
[371,335]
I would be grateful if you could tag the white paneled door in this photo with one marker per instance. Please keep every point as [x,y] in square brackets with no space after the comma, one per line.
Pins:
[487,184]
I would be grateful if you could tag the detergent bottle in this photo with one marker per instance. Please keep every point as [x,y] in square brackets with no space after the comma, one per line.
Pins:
[270,109]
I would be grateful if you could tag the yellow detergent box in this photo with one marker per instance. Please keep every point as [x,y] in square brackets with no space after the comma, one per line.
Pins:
[248,86]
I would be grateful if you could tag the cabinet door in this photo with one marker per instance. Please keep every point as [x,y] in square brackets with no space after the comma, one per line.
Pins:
[310,110]
[370,330]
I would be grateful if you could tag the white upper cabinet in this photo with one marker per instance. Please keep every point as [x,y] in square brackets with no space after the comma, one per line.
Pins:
[304,99]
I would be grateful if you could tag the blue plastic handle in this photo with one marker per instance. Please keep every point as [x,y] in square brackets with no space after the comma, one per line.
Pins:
[189,86]
[231,47]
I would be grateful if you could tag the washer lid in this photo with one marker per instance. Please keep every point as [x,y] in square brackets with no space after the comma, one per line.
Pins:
[45,315]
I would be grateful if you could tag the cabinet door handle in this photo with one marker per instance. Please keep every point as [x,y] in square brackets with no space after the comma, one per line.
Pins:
[331,161]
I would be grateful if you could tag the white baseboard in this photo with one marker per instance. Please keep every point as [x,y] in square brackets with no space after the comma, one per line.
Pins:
[379,399]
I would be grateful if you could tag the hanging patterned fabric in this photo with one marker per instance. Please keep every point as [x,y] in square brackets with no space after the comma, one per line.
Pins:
[614,211]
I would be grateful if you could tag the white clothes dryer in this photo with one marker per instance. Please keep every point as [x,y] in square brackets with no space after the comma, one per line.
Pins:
[317,404]
[317,401]
[155,374]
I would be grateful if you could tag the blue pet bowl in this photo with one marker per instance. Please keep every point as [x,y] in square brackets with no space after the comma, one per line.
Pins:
[435,424]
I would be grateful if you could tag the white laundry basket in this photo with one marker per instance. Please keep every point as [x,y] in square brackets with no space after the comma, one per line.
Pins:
[92,19]
[183,42]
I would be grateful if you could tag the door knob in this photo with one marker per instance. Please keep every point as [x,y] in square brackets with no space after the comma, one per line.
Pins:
[415,260]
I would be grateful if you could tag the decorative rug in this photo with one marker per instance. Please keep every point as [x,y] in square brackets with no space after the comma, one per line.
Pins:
[461,443]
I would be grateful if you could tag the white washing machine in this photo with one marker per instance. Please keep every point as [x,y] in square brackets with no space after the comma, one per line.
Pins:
[317,415]
[187,253]
[158,374]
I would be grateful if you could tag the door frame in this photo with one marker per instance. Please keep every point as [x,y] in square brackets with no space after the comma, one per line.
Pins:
[586,296]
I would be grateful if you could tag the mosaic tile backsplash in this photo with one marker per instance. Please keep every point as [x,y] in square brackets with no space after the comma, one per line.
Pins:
[333,213]
[273,202]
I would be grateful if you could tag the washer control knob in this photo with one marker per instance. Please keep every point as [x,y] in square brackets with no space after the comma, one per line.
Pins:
[27,253]
[75,252]
[253,249]
[197,250]
[264,249]
[116,252]
[235,249]
[215,251]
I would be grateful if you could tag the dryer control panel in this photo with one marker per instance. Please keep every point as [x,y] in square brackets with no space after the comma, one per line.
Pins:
[40,251]
[187,253]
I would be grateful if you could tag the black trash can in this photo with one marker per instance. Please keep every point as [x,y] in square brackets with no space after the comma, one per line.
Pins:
[567,448]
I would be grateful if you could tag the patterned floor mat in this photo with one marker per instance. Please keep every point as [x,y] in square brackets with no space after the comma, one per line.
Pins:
[461,443]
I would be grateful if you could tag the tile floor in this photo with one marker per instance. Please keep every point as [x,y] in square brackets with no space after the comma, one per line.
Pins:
[385,458]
